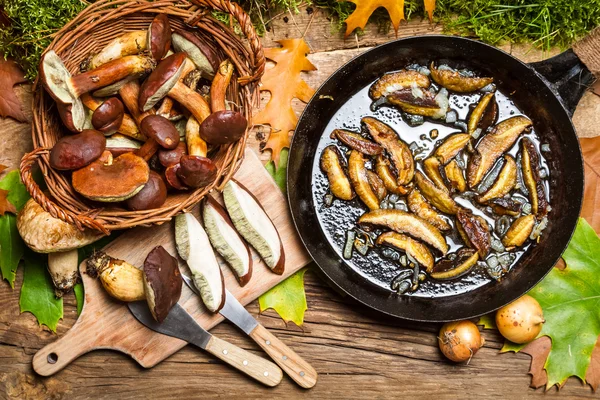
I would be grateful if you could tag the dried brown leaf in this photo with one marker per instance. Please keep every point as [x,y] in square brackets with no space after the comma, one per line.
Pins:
[364,9]
[5,205]
[591,157]
[10,75]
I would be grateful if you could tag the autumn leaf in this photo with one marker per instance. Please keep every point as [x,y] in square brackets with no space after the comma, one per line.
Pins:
[284,83]
[10,75]
[488,321]
[288,299]
[591,198]
[5,205]
[364,9]
[429,7]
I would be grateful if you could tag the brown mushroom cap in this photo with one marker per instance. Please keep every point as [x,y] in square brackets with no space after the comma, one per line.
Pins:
[152,195]
[172,177]
[107,118]
[159,36]
[223,127]
[162,130]
[112,180]
[162,282]
[76,151]
[196,171]
[201,54]
[161,80]
[172,157]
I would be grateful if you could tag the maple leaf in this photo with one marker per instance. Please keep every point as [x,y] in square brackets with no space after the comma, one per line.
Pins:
[288,299]
[284,83]
[591,198]
[10,75]
[364,9]
[5,205]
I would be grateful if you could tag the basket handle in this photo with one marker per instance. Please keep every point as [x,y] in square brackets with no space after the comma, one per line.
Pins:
[80,221]
[247,28]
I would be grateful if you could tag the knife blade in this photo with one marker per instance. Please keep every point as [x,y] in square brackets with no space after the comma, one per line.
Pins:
[180,324]
[297,368]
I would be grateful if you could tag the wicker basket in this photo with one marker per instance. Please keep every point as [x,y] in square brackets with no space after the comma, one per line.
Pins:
[89,32]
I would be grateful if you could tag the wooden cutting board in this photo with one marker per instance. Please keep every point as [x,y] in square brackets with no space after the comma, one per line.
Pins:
[106,323]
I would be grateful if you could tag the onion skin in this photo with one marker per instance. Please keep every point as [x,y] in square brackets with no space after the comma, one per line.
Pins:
[521,321]
[460,340]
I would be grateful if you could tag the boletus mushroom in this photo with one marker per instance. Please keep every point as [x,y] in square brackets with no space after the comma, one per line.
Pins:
[120,279]
[76,151]
[194,247]
[162,282]
[63,271]
[159,36]
[111,179]
[201,54]
[196,170]
[119,144]
[127,44]
[128,125]
[253,223]
[152,195]
[108,117]
[161,133]
[67,89]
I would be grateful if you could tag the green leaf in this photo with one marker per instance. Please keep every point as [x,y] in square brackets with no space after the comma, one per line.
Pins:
[280,173]
[570,300]
[288,299]
[37,292]
[79,296]
[488,321]
[17,192]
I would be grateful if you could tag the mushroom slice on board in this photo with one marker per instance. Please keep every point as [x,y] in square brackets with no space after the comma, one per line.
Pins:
[162,282]
[193,245]
[453,80]
[226,240]
[411,246]
[111,180]
[404,222]
[331,164]
[253,223]
[493,145]
[66,89]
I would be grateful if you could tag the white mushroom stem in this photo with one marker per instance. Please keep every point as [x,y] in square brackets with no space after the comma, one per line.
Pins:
[127,44]
[63,270]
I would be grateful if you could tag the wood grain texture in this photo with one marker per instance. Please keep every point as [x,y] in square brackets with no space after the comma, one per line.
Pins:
[255,367]
[107,324]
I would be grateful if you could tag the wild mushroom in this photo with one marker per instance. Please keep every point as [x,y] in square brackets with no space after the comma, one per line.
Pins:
[128,125]
[66,89]
[76,151]
[108,117]
[222,126]
[43,233]
[63,269]
[120,279]
[162,282]
[196,169]
[119,144]
[168,158]
[161,133]
[111,180]
[159,36]
[152,195]
[129,43]
[202,55]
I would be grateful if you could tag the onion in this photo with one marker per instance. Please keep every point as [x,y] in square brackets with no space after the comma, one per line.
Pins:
[545,147]
[443,103]
[520,321]
[488,88]
[451,117]
[393,198]
[424,71]
[350,236]
[417,92]
[459,341]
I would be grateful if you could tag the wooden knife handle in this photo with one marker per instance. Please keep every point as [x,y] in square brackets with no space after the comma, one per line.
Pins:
[299,370]
[255,367]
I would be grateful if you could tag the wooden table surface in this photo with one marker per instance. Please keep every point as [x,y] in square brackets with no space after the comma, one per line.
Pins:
[357,354]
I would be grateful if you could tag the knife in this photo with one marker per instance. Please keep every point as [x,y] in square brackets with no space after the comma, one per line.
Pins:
[299,370]
[182,325]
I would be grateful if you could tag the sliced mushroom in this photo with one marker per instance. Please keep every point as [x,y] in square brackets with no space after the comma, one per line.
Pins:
[455,176]
[439,198]
[506,181]
[253,223]
[504,206]
[193,245]
[530,166]
[63,269]
[76,151]
[331,164]
[377,185]
[446,269]
[43,233]
[119,144]
[356,142]
[357,172]
[108,117]
[396,81]
[197,170]
[519,231]
[159,36]
[476,231]
[403,222]
[384,171]
[67,89]
[484,114]
[431,167]
[162,282]
[420,102]
[420,206]
[226,240]
[112,180]
[129,43]
[409,245]
[120,279]
[398,151]
[451,146]
[453,80]
[152,195]
[128,125]
[500,139]
[203,56]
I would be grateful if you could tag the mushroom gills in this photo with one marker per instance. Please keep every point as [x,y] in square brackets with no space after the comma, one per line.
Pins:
[253,223]
[226,241]
[193,245]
